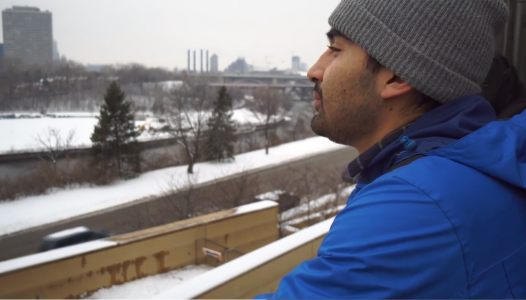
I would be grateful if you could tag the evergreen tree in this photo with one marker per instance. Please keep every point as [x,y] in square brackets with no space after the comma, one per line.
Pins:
[221,129]
[114,140]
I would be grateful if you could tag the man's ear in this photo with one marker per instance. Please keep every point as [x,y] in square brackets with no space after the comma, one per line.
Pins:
[392,85]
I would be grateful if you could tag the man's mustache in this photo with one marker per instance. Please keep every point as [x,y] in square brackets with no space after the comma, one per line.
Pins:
[317,90]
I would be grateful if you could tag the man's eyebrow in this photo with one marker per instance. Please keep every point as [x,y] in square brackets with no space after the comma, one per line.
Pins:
[333,33]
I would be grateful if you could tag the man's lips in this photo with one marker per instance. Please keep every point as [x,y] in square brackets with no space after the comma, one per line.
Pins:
[317,100]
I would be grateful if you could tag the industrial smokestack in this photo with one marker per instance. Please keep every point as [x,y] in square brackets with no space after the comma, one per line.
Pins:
[194,61]
[207,60]
[188,69]
[201,60]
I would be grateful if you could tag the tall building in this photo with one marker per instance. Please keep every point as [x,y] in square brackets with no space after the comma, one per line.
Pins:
[214,63]
[296,64]
[239,66]
[28,34]
[1,56]
[304,67]
[56,54]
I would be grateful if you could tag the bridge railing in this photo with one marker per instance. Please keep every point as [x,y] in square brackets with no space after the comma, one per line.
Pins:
[79,270]
[254,273]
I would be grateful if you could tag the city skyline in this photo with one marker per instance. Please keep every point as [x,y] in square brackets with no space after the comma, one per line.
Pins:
[158,33]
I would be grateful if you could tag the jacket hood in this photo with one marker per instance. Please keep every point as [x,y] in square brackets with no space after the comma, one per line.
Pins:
[437,129]
[497,149]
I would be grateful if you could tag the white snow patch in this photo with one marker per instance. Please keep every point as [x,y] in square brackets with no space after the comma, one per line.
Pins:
[66,232]
[252,207]
[44,209]
[244,116]
[167,86]
[21,134]
[274,196]
[316,204]
[291,228]
[151,286]
[53,255]
[199,285]
[313,216]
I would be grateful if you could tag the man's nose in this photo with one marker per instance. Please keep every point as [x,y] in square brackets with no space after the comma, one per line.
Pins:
[315,73]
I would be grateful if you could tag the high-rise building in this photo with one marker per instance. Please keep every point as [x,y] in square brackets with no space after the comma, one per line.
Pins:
[28,34]
[1,56]
[304,67]
[214,63]
[56,54]
[296,64]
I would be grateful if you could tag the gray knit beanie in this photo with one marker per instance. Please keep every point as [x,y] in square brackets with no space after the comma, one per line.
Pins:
[443,48]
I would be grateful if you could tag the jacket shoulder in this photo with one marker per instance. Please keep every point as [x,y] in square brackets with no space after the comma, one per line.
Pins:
[486,213]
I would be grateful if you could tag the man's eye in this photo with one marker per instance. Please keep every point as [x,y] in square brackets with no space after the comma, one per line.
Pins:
[333,49]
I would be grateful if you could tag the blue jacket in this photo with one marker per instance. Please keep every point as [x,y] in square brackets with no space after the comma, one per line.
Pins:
[449,225]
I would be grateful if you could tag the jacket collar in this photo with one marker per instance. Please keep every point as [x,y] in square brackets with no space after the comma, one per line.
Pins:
[364,160]
[434,130]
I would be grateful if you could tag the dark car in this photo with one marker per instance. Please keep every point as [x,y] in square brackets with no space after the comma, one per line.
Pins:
[71,237]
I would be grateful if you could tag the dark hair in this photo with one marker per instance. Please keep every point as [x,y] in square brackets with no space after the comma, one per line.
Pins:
[373,65]
[422,101]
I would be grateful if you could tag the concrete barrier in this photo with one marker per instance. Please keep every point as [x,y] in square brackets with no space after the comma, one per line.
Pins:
[257,272]
[79,270]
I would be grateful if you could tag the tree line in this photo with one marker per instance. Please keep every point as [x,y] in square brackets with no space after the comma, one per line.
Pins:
[198,117]
[22,85]
[114,140]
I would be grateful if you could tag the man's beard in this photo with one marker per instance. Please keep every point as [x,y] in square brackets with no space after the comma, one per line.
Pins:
[316,123]
[355,118]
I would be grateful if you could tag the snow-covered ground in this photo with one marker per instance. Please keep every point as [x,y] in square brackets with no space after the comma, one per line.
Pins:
[150,286]
[20,133]
[39,210]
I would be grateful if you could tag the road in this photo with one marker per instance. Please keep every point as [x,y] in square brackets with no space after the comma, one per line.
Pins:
[130,217]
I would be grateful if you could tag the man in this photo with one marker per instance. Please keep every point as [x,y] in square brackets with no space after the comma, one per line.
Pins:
[439,210]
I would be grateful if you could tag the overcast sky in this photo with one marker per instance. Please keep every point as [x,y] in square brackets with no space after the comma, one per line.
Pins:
[159,32]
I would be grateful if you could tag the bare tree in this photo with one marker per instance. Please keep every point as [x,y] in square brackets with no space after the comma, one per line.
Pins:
[183,196]
[235,191]
[319,190]
[187,115]
[266,106]
[52,145]
[139,219]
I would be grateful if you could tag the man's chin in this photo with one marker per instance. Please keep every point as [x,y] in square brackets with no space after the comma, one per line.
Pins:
[320,128]
[317,125]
